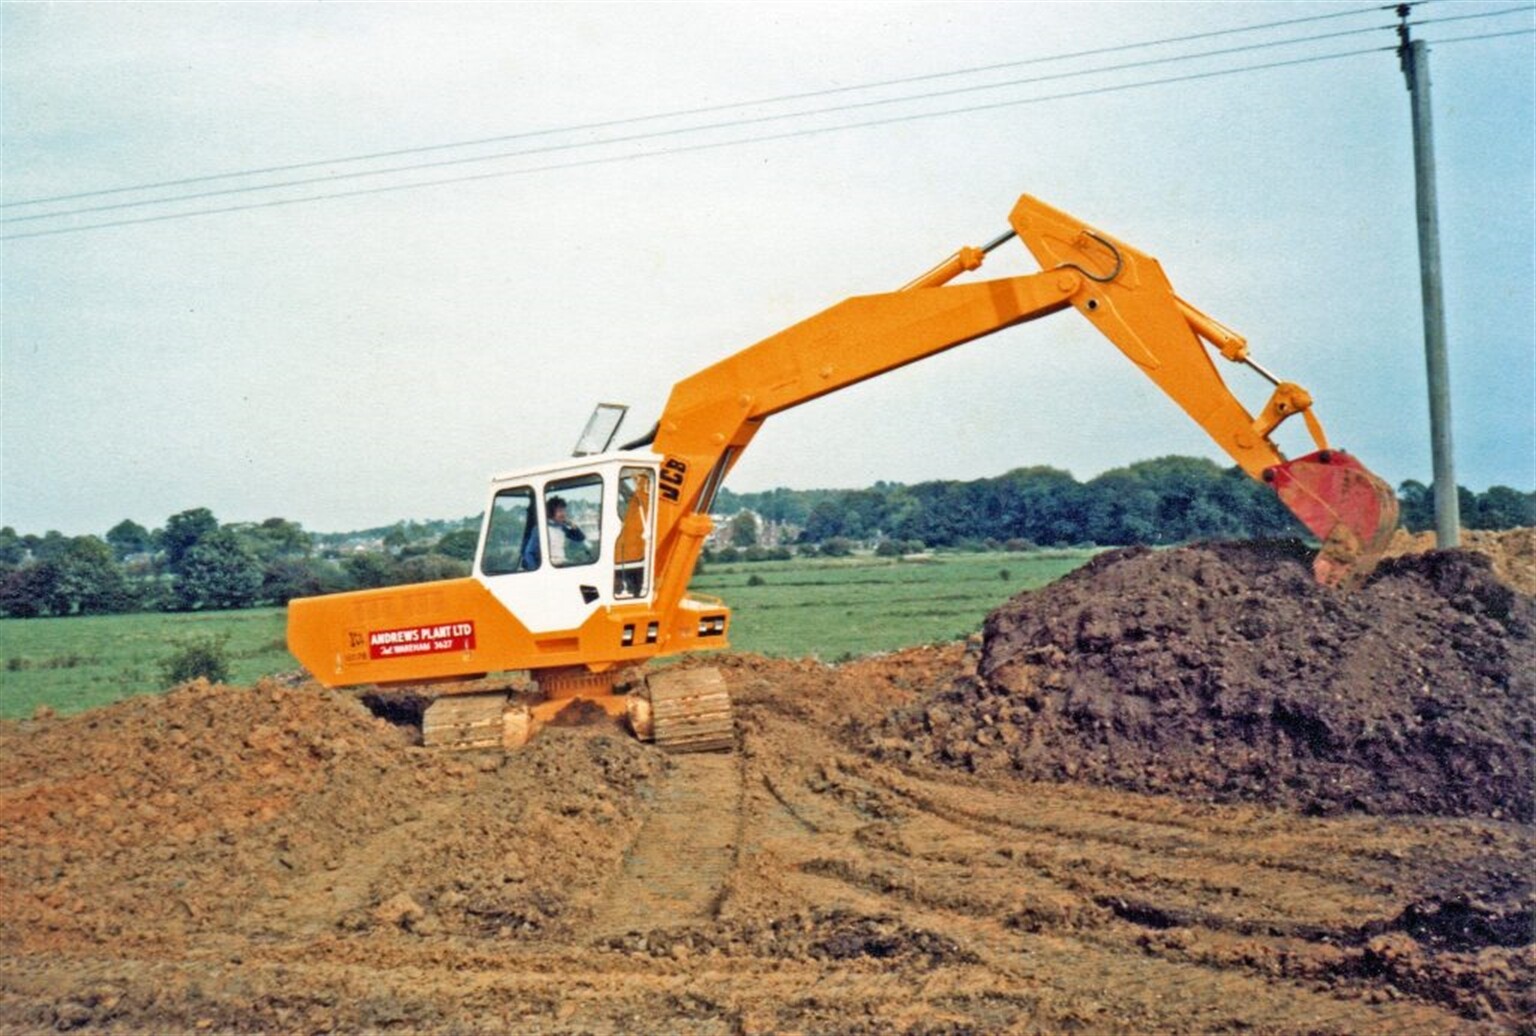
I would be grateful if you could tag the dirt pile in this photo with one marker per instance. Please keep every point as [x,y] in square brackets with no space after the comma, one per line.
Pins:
[278,859]
[1223,671]
[1511,551]
[222,808]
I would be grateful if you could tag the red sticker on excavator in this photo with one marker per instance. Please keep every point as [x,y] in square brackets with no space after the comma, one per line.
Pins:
[421,640]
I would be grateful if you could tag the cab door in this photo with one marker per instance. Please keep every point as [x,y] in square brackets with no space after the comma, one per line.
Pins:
[542,552]
[573,575]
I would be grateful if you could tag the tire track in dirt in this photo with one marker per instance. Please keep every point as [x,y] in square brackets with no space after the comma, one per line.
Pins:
[1079,947]
[1199,881]
[1056,815]
[1180,915]
[1075,973]
[314,901]
[674,872]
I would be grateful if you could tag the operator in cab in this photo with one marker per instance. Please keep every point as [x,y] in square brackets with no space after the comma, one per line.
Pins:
[562,531]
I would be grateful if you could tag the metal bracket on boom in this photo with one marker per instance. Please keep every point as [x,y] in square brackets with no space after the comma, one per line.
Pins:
[1288,400]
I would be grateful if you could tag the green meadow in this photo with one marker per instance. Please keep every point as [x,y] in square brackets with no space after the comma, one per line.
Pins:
[839,608]
[78,663]
[829,608]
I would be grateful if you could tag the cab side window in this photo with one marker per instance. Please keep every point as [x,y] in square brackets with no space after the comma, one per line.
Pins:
[573,515]
[632,550]
[513,529]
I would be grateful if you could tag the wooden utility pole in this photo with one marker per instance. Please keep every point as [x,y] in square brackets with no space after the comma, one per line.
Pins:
[1414,56]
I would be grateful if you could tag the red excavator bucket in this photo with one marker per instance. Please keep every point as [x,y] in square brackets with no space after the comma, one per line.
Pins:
[1352,511]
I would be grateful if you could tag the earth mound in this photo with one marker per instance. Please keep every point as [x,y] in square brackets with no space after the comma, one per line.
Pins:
[1511,551]
[1222,671]
[279,859]
[218,808]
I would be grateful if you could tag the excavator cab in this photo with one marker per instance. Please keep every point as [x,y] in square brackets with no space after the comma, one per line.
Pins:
[558,544]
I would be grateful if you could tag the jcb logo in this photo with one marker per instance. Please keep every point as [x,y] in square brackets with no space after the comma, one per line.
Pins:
[673,473]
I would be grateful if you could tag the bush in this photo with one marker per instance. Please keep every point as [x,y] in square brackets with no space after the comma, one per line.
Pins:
[460,544]
[766,554]
[430,568]
[206,657]
[368,570]
[756,580]
[283,579]
[218,571]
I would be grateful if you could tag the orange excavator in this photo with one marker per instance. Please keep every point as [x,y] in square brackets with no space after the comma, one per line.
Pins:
[582,570]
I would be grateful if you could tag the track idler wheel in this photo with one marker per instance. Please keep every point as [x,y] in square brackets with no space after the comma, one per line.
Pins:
[685,710]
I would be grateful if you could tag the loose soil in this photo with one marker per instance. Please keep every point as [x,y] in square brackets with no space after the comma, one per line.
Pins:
[1224,672]
[1512,552]
[281,858]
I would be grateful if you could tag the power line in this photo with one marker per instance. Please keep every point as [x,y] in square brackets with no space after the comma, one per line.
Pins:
[684,130]
[1469,17]
[810,131]
[710,109]
[1482,36]
[790,134]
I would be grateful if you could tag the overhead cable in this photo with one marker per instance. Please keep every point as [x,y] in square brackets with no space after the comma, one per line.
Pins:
[1469,17]
[710,109]
[1482,36]
[710,146]
[685,130]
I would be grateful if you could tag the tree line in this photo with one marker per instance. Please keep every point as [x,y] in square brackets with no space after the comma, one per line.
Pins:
[1155,502]
[196,562]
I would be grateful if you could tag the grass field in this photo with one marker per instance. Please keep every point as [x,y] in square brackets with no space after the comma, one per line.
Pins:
[78,663]
[830,608]
[835,608]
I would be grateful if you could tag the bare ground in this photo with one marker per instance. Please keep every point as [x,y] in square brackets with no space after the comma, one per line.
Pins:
[278,858]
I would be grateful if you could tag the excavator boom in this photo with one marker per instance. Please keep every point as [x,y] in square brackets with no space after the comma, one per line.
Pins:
[713,415]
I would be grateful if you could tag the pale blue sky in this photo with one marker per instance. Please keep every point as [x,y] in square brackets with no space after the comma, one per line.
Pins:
[350,362]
